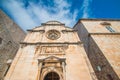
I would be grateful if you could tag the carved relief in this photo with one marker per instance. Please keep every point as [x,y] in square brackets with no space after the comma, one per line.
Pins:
[52,63]
[46,50]
[53,34]
[52,49]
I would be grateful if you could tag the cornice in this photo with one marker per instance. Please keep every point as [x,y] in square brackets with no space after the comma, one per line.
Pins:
[48,43]
[30,30]
[104,34]
[99,19]
[44,24]
[69,30]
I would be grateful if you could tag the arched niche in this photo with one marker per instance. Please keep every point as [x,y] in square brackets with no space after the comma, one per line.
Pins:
[52,76]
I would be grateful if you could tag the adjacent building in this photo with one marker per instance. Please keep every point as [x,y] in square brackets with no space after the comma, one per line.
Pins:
[51,51]
[10,36]
[101,39]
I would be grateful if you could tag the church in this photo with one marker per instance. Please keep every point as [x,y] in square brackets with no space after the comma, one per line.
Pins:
[53,51]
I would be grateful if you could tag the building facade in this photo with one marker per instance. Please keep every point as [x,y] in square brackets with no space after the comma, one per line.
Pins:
[10,36]
[101,39]
[51,51]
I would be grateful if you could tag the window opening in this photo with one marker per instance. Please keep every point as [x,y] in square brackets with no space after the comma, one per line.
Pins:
[110,29]
[0,40]
[109,77]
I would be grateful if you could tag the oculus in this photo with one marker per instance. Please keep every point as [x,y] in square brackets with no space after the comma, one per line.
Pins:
[53,34]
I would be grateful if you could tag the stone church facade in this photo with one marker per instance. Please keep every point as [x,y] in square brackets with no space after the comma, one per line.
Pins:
[88,51]
[101,39]
[10,36]
[51,51]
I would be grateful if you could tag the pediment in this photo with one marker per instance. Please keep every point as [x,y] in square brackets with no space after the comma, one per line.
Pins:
[54,58]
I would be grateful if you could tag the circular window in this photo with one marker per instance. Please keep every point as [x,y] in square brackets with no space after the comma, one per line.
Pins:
[53,34]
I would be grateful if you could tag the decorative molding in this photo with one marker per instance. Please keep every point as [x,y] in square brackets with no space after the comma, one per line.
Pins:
[52,57]
[53,34]
[53,67]
[36,30]
[104,34]
[44,24]
[51,54]
[53,49]
[48,43]
[64,31]
[100,19]
[105,23]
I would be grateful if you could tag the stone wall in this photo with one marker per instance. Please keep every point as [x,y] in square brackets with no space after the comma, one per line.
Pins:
[83,35]
[10,36]
[15,32]
[101,65]
[102,46]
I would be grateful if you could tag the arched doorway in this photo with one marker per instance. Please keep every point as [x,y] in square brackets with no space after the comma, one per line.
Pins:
[52,76]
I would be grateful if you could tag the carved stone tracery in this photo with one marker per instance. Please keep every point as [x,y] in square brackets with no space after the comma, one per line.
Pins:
[53,34]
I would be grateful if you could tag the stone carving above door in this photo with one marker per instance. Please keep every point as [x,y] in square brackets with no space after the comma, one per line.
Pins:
[52,50]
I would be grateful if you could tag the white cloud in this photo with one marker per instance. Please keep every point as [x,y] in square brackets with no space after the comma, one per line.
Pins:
[86,8]
[20,15]
[35,14]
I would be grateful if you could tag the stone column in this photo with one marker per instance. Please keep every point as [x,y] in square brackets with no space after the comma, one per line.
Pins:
[39,70]
[64,71]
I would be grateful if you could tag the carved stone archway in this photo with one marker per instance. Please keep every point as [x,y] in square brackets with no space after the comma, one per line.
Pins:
[46,65]
[52,76]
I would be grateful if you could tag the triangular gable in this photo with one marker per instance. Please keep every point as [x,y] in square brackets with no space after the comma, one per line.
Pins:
[52,57]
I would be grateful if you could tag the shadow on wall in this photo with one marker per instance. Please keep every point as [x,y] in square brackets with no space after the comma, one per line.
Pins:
[101,66]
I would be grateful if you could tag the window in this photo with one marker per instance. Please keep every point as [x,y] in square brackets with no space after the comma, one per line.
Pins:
[0,40]
[108,26]
[53,34]
[109,77]
[99,68]
[110,29]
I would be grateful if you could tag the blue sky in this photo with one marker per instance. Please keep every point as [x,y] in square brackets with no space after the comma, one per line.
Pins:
[30,13]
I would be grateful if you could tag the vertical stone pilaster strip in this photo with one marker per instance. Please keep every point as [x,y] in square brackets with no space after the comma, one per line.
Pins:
[64,71]
[39,71]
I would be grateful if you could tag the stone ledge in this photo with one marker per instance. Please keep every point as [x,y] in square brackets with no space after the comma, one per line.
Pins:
[40,43]
[69,30]
[44,24]
[35,30]
[103,34]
